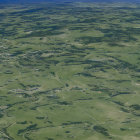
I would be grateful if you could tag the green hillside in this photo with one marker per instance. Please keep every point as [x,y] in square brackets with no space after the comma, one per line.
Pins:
[70,71]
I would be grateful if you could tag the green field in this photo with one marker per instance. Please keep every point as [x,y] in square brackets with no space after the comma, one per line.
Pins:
[70,71]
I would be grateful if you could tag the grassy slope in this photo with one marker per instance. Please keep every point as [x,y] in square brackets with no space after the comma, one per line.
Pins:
[69,72]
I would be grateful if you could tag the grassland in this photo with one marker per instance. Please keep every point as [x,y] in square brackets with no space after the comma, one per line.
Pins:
[70,71]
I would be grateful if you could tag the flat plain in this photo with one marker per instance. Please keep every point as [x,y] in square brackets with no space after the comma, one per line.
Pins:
[70,71]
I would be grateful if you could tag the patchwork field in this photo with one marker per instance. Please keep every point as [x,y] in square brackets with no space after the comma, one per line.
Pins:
[70,71]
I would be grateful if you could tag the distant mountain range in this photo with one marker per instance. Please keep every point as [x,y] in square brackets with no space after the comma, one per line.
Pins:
[34,1]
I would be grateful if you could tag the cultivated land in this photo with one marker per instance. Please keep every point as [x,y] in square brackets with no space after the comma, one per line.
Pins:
[70,71]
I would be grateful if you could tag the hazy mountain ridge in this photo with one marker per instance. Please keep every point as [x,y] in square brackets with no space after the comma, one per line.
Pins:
[32,1]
